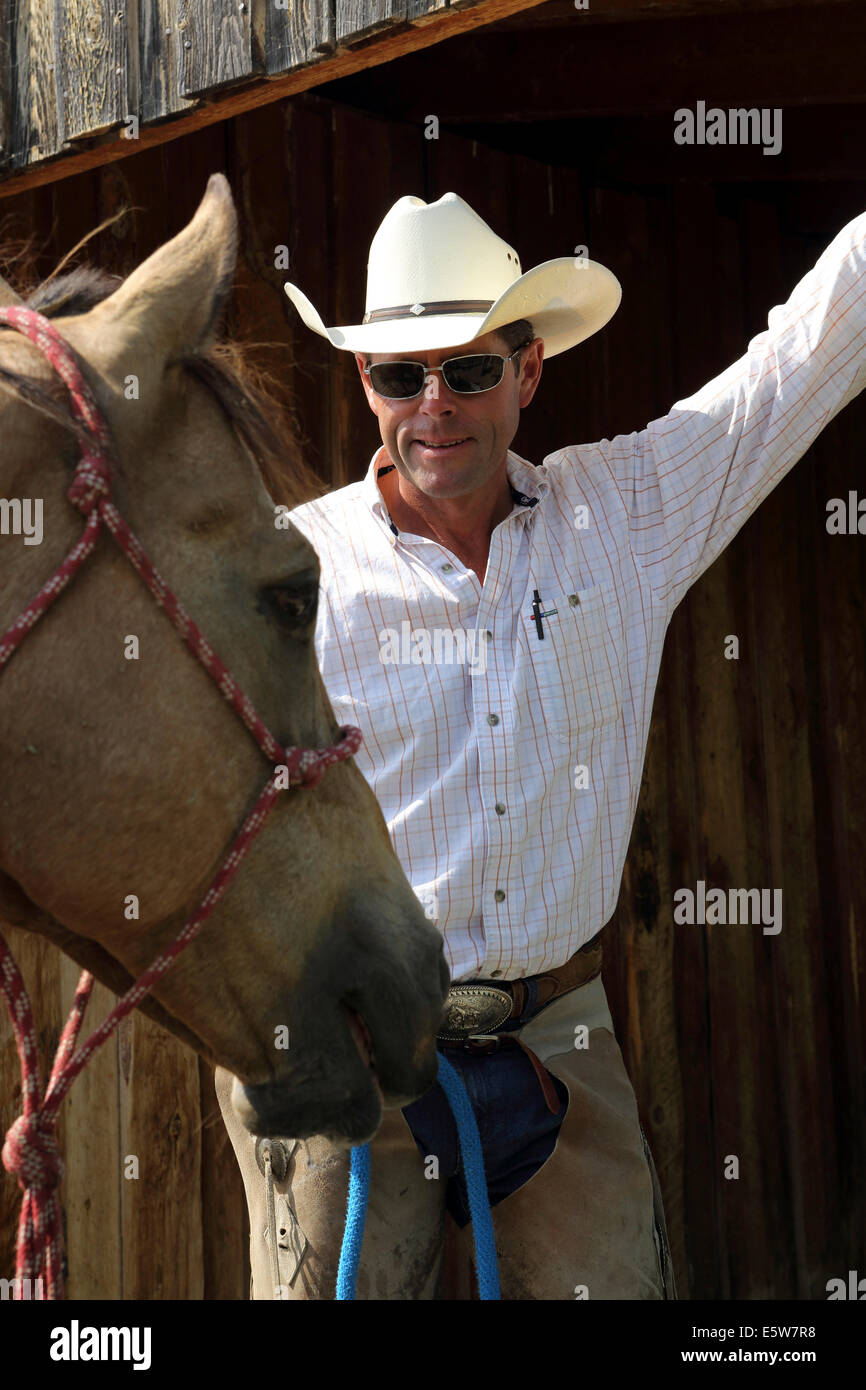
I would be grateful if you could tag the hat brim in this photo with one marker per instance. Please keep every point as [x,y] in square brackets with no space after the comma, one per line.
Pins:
[566,300]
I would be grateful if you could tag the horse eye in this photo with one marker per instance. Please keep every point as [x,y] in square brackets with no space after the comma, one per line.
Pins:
[293,606]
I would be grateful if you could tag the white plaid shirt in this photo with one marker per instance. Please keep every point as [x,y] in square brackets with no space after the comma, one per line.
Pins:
[474,748]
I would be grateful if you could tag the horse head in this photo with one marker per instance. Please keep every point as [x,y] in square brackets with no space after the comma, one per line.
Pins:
[126,774]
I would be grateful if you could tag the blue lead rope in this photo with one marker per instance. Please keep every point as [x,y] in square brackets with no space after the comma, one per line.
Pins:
[476,1184]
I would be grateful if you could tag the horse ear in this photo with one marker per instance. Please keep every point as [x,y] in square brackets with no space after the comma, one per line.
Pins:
[8,295]
[173,301]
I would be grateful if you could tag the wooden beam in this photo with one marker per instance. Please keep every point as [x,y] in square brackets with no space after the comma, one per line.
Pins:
[394,43]
[772,59]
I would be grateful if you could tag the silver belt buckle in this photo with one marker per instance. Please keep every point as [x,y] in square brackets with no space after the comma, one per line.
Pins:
[471,1009]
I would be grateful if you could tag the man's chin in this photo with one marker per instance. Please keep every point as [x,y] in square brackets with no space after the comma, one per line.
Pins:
[446,479]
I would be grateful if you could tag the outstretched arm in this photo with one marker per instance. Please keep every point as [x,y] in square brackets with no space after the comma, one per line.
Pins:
[690,480]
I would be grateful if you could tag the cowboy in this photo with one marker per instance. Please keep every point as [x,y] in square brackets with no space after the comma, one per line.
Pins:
[510,785]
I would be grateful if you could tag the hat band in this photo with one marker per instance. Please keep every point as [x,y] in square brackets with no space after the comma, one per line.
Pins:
[437,306]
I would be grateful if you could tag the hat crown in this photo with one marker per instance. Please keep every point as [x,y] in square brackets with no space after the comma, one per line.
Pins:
[431,252]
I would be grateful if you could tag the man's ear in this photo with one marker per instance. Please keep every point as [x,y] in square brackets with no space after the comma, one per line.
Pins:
[530,370]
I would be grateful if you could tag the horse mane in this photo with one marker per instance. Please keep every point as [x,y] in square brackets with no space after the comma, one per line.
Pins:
[247,394]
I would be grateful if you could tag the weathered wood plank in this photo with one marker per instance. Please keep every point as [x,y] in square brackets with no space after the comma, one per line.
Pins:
[92,1156]
[833,635]
[359,19]
[639,983]
[631,232]
[7,81]
[784,859]
[35,133]
[689,964]
[92,67]
[161,1212]
[225,1219]
[160,51]
[216,45]
[297,32]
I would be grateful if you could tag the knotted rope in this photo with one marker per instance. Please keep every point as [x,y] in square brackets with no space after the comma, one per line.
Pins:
[30,1150]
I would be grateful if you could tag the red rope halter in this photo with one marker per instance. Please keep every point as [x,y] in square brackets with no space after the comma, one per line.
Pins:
[30,1150]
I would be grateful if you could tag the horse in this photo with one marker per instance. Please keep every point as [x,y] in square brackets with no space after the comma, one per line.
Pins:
[318,982]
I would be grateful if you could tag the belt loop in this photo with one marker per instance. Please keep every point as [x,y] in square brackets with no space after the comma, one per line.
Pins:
[554,1104]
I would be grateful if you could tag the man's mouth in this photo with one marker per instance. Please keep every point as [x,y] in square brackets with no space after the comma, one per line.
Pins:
[441,444]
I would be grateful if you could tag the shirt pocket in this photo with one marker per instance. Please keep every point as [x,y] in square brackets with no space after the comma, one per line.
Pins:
[572,680]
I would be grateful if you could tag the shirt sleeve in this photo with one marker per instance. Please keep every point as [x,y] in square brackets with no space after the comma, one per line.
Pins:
[691,480]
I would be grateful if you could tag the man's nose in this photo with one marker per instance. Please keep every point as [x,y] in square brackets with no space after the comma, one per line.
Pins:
[436,398]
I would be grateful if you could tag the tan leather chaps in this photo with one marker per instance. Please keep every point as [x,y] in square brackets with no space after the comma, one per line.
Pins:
[588,1224]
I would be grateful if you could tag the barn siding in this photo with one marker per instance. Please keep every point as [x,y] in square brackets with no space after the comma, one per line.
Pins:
[736,1043]
[75,71]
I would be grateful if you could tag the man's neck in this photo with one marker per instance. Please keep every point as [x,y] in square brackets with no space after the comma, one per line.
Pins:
[463,525]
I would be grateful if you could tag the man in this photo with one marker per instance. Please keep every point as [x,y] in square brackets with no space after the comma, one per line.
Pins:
[496,630]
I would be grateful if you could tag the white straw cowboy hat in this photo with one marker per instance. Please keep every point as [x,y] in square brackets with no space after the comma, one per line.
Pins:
[438,276]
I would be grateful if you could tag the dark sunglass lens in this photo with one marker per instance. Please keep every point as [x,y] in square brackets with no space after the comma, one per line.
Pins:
[478,373]
[397,380]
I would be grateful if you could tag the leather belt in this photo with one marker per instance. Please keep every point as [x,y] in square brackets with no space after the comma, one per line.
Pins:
[481,1006]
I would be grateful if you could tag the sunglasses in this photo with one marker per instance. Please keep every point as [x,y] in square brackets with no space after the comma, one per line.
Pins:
[400,381]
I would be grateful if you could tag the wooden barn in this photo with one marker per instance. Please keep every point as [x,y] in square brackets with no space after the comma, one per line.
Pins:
[556,121]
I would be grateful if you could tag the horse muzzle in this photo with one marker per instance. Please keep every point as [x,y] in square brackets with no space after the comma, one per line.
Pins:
[343,1098]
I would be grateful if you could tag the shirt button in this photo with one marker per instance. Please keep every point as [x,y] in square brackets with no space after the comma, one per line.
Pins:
[499,895]
[493,719]
[499,809]
[446,569]
[573,600]
[487,634]
[494,974]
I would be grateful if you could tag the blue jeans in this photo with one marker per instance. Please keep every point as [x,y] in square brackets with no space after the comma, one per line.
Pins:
[518,1131]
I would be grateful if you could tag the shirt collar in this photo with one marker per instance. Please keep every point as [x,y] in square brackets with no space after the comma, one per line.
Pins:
[528,485]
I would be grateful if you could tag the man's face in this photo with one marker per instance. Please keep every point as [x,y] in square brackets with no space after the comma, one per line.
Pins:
[445,443]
